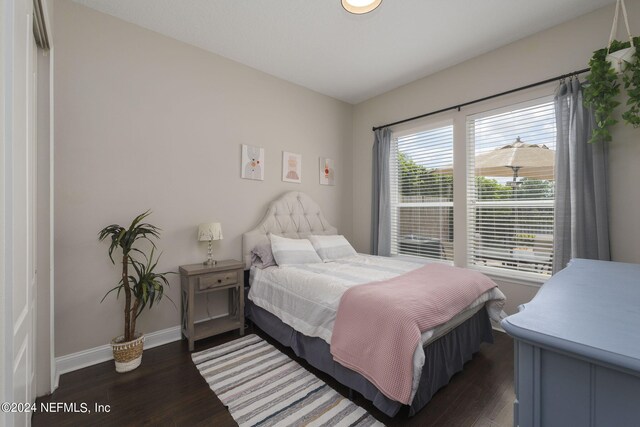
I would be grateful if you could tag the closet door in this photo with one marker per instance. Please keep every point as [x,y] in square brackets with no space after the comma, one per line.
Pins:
[20,196]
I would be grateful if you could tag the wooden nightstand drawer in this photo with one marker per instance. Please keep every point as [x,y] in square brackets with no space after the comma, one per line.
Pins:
[219,279]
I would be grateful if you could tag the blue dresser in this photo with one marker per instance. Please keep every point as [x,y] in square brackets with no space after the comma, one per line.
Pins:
[577,348]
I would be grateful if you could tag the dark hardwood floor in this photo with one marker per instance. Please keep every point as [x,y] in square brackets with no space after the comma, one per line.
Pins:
[167,389]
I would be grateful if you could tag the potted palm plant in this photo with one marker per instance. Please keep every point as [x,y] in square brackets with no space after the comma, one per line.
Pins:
[142,287]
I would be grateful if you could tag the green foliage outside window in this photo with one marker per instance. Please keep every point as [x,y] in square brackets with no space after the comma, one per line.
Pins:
[418,180]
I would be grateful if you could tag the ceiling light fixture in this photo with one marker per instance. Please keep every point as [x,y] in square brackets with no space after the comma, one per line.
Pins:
[359,7]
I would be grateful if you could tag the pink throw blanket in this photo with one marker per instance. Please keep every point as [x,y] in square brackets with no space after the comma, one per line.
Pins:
[378,325]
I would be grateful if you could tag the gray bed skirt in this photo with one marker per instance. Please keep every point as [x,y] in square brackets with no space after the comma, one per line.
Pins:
[444,357]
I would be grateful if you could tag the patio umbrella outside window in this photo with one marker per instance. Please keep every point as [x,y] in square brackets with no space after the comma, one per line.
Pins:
[515,160]
[518,160]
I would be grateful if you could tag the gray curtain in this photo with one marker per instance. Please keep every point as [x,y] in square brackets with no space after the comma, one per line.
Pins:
[381,194]
[581,227]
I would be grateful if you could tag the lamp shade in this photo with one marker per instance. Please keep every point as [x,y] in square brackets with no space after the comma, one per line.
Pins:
[210,231]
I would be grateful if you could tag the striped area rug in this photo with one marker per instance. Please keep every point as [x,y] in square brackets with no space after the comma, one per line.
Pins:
[263,387]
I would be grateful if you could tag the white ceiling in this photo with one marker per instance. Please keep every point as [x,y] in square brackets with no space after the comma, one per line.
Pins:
[316,44]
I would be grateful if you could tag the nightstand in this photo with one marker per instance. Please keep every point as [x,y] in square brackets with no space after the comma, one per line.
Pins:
[198,279]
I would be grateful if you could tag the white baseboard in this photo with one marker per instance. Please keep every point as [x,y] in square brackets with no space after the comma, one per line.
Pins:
[82,359]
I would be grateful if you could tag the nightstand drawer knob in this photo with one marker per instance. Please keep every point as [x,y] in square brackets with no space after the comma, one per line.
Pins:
[219,280]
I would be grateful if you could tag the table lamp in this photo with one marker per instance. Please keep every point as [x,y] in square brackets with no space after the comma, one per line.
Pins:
[209,232]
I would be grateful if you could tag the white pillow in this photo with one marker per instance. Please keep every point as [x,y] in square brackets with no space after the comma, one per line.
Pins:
[293,251]
[332,247]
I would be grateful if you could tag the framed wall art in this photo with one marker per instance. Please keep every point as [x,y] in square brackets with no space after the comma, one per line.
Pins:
[291,167]
[252,162]
[327,172]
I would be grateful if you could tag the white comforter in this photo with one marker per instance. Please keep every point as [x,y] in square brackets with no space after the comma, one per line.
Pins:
[306,297]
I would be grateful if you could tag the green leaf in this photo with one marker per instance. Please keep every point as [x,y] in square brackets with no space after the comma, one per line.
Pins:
[146,286]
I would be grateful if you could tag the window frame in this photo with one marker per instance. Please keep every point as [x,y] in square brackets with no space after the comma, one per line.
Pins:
[472,202]
[460,164]
[394,187]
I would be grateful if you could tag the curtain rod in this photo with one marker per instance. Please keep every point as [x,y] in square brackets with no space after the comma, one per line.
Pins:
[475,101]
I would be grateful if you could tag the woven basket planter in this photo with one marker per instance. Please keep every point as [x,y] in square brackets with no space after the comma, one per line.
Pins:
[127,355]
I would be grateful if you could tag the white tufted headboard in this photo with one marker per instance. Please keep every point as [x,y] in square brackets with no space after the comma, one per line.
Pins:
[294,215]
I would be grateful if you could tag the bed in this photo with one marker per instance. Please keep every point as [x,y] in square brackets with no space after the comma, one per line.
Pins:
[297,306]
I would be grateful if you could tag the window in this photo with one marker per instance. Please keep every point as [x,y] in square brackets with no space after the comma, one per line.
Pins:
[510,188]
[422,194]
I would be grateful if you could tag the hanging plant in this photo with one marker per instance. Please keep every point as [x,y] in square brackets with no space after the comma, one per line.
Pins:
[631,79]
[600,93]
[603,84]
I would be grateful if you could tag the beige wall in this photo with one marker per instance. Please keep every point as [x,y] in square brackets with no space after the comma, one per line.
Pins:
[145,122]
[559,50]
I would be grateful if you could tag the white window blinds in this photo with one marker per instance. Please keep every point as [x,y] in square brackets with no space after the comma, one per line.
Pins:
[510,188]
[422,194]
